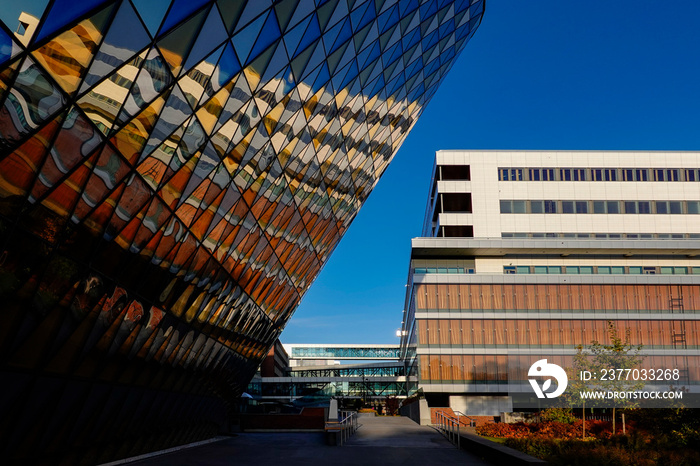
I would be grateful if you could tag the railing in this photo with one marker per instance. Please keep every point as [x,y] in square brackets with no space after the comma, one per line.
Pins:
[348,425]
[459,414]
[449,426]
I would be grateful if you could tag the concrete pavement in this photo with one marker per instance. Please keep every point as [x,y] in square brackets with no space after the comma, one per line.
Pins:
[387,441]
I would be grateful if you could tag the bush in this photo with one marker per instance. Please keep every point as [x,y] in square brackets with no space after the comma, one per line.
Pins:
[563,415]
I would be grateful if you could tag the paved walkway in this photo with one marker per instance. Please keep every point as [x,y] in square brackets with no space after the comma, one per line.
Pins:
[386,441]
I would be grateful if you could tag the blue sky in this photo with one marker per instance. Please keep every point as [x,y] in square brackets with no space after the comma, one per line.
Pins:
[539,74]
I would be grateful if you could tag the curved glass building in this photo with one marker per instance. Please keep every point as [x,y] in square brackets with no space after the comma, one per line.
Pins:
[173,176]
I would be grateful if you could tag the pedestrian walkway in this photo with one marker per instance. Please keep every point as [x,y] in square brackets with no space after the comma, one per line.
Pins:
[384,441]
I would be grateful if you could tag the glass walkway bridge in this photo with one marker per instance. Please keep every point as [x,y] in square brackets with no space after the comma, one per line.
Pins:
[355,352]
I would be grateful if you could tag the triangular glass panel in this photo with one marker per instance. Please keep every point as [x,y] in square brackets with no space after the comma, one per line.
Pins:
[293,37]
[67,56]
[226,69]
[109,171]
[152,13]
[7,76]
[8,47]
[76,140]
[18,170]
[257,67]
[117,47]
[230,11]
[278,60]
[196,81]
[252,10]
[244,41]
[176,45]
[176,111]
[179,10]
[212,34]
[152,80]
[36,100]
[63,198]
[284,11]
[268,34]
[311,33]
[102,104]
[325,12]
[131,138]
[63,12]
[303,9]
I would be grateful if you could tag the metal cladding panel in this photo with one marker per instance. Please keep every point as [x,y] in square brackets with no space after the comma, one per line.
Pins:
[173,176]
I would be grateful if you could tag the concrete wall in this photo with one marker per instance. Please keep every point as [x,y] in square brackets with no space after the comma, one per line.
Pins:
[481,405]
[418,412]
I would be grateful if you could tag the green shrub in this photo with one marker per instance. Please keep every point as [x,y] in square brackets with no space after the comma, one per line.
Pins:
[563,415]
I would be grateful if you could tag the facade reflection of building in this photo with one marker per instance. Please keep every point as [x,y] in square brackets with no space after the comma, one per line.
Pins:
[166,198]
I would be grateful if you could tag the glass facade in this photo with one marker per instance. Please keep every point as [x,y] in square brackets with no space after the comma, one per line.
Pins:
[173,176]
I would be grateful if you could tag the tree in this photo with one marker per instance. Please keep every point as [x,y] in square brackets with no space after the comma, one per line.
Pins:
[609,367]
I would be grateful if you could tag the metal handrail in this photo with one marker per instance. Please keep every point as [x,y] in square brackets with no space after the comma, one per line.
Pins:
[472,421]
[348,425]
[449,427]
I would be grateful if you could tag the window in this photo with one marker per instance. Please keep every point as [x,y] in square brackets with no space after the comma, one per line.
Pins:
[659,174]
[642,174]
[519,207]
[613,207]
[536,207]
[693,207]
[597,174]
[502,174]
[516,174]
[526,269]
[649,270]
[506,207]
[690,175]
[572,270]
[550,207]
[547,174]
[661,207]
[610,174]
[579,174]
[599,207]
[617,270]
[587,270]
[666,270]
[675,207]
[635,270]
[541,269]
[534,174]
[630,207]
[508,269]
[628,174]
[672,174]
[554,269]
[644,207]
[567,207]
[565,174]
[581,207]
[604,270]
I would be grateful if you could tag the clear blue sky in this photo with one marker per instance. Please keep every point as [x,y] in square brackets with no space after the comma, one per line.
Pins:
[538,74]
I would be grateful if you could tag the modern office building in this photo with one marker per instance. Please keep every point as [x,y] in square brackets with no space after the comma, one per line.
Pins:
[314,373]
[173,176]
[527,254]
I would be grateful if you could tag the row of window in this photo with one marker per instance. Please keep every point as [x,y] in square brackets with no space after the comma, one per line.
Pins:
[599,207]
[599,270]
[598,174]
[443,270]
[604,235]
